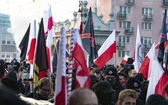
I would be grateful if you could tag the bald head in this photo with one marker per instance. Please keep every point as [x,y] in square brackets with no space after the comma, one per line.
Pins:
[82,96]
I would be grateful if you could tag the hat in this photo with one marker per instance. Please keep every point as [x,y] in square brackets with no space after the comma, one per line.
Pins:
[25,76]
[103,87]
[111,70]
[156,99]
[133,83]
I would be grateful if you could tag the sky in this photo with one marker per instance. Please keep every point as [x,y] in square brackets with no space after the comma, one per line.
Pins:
[22,12]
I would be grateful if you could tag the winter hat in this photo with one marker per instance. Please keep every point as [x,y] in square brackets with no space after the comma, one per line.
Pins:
[133,83]
[111,70]
[25,76]
[156,99]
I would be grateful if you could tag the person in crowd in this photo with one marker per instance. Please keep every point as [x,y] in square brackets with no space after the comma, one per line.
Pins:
[122,79]
[104,92]
[156,99]
[82,96]
[20,72]
[166,90]
[111,75]
[135,84]
[93,80]
[2,68]
[97,73]
[44,90]
[127,97]
[26,83]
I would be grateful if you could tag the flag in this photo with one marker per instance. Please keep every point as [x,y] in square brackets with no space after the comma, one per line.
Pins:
[163,38]
[106,51]
[157,79]
[24,45]
[82,72]
[88,39]
[144,69]
[40,60]
[32,42]
[138,52]
[61,88]
[49,34]
[124,60]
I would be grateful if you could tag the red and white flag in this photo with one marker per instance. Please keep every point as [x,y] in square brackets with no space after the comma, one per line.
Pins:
[157,79]
[145,68]
[124,60]
[61,88]
[138,52]
[106,51]
[82,72]
[49,33]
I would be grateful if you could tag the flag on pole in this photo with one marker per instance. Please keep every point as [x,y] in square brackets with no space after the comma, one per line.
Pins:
[145,67]
[88,39]
[24,45]
[138,51]
[106,51]
[82,72]
[157,79]
[163,39]
[32,42]
[40,60]
[49,34]
[61,88]
[125,59]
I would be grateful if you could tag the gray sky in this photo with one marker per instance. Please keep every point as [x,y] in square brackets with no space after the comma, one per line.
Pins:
[22,12]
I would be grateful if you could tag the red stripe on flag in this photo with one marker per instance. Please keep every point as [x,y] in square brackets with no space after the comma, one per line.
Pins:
[144,69]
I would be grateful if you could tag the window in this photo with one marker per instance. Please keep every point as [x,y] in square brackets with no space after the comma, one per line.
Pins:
[147,11]
[3,56]
[125,24]
[8,42]
[8,55]
[146,40]
[3,42]
[124,9]
[14,55]
[121,54]
[125,39]
[146,26]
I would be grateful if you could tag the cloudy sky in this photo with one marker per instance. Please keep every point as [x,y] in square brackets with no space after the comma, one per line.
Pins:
[22,12]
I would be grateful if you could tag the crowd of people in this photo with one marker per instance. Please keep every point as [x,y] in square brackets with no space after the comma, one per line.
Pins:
[112,85]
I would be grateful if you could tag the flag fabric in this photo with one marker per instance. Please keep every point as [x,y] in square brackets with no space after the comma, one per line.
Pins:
[61,88]
[124,60]
[24,45]
[163,38]
[145,67]
[49,34]
[40,61]
[88,39]
[82,72]
[138,52]
[106,51]
[32,42]
[157,79]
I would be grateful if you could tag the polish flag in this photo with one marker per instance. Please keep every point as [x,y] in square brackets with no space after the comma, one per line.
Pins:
[106,51]
[49,33]
[138,52]
[82,72]
[61,88]
[124,60]
[145,67]
[157,79]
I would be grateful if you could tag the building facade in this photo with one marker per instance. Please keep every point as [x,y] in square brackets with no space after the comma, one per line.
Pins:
[127,14]
[8,49]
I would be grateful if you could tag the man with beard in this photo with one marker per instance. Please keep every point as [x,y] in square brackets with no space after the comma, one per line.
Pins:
[111,75]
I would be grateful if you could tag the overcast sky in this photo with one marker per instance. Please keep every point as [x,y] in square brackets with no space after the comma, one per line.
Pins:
[22,12]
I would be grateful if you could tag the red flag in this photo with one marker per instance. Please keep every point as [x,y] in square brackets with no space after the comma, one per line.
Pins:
[82,72]
[49,34]
[61,88]
[106,51]
[157,79]
[144,69]
[124,60]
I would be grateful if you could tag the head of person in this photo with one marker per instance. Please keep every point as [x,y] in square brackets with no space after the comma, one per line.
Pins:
[16,66]
[156,99]
[104,92]
[82,96]
[97,73]
[44,88]
[127,97]
[122,79]
[111,75]
[21,71]
[134,83]
[25,79]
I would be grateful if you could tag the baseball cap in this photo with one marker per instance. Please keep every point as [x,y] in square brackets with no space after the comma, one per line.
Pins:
[133,83]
